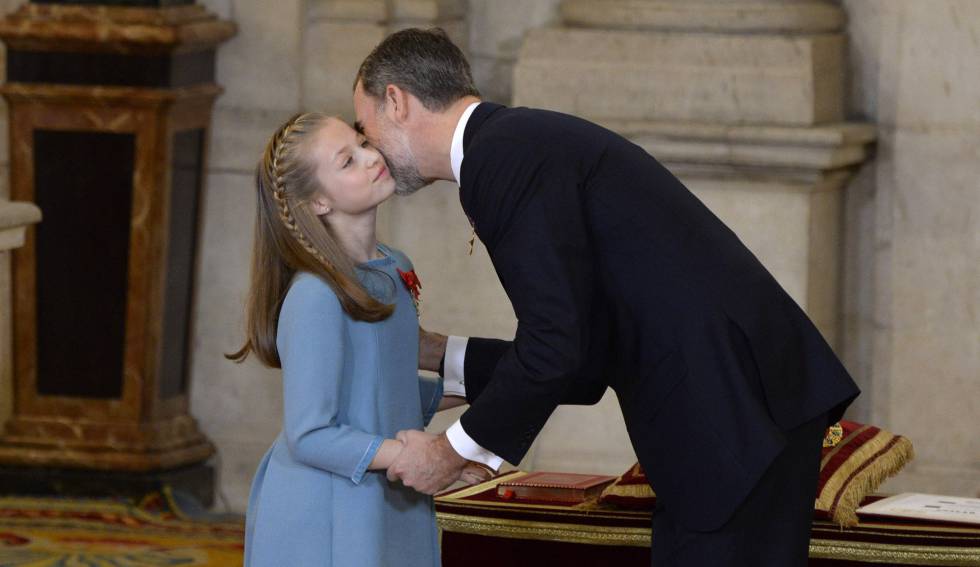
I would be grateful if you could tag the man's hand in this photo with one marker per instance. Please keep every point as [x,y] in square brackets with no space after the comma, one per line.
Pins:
[475,473]
[428,463]
[432,347]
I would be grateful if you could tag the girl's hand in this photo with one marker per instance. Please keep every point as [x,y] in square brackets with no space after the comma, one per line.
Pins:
[390,448]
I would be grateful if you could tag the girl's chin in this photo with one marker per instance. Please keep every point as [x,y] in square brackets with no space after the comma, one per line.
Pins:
[388,190]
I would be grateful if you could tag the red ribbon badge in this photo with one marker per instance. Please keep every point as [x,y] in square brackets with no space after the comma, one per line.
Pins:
[413,285]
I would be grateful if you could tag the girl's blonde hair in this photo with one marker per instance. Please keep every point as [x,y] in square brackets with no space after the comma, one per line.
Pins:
[290,237]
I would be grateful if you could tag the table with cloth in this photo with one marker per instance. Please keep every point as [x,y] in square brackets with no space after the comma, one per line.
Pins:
[480,529]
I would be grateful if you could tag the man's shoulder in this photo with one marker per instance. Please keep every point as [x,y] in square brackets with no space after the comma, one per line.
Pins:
[533,133]
[525,122]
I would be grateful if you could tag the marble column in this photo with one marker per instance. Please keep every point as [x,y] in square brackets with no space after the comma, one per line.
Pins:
[743,100]
[109,112]
[15,217]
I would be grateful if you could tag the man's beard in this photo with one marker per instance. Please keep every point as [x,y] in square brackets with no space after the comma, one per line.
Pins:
[406,175]
[403,168]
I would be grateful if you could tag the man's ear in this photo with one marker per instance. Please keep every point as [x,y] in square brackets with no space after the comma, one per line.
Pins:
[396,104]
[320,205]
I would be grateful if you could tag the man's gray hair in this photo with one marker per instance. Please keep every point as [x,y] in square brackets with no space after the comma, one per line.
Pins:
[424,63]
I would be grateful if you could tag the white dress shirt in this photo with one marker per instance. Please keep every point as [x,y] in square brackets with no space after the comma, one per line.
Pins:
[453,380]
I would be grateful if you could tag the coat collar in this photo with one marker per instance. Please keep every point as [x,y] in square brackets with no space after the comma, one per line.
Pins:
[479,116]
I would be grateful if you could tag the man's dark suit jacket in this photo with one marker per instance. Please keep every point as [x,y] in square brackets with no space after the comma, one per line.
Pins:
[619,276]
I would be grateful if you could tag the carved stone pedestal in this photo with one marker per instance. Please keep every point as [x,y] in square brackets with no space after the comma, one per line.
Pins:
[743,100]
[109,119]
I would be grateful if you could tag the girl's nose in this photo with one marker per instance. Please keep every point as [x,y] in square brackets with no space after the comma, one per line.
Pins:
[373,157]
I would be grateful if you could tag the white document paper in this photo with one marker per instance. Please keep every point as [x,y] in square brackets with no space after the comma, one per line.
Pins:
[927,507]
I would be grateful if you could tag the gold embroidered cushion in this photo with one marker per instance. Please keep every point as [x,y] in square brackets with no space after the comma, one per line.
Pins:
[855,460]
[631,490]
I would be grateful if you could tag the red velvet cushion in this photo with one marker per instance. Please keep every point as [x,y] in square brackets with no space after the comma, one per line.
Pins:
[856,459]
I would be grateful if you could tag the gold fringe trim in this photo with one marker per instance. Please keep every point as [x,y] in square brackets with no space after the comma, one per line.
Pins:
[629,491]
[865,482]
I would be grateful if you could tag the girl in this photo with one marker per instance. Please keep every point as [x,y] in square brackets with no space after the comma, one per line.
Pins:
[334,309]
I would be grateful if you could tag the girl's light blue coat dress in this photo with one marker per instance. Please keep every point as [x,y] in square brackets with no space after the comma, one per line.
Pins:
[347,385]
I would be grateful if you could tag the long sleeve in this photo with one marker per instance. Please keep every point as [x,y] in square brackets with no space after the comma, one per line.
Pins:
[430,394]
[482,355]
[530,216]
[311,342]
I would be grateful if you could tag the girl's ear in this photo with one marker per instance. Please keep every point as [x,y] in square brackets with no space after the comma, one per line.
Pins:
[320,205]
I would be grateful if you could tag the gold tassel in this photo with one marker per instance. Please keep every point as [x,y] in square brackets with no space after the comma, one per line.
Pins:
[884,467]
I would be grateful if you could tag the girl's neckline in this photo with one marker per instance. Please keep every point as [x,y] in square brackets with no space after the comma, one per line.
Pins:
[383,260]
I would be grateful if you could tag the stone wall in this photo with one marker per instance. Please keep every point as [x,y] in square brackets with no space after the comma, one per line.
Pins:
[912,278]
[911,284]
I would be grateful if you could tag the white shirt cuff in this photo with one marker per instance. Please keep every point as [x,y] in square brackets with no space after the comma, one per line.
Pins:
[469,449]
[453,381]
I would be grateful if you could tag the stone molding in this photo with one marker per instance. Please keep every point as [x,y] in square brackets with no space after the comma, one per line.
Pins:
[705,15]
[728,148]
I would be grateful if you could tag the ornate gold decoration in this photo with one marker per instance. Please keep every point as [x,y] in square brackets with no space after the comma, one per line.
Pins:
[544,531]
[834,435]
[894,553]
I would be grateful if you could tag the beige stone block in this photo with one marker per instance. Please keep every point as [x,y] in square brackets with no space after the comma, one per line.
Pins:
[239,136]
[938,64]
[935,390]
[497,27]
[705,15]
[926,352]
[934,177]
[426,10]
[260,67]
[586,439]
[772,219]
[935,479]
[333,53]
[727,79]
[794,230]
[493,78]
[864,52]
[823,257]
[365,11]
[857,287]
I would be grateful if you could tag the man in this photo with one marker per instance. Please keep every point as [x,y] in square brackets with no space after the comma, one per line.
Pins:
[618,276]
